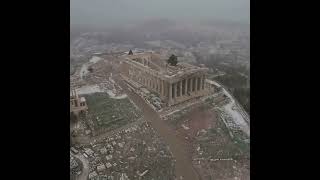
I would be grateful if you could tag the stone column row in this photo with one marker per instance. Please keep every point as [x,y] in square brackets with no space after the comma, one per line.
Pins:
[156,84]
[193,84]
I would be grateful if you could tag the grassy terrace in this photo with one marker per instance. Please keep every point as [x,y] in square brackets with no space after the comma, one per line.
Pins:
[108,113]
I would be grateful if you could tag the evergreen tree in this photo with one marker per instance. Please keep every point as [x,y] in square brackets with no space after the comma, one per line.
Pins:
[173,60]
[130,52]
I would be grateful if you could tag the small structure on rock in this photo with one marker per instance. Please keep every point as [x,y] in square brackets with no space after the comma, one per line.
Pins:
[77,104]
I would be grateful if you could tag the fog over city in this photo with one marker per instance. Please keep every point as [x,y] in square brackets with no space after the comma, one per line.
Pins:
[106,13]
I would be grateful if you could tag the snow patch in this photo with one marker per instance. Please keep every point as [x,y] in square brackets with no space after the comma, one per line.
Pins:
[185,127]
[237,117]
[88,89]
[213,82]
[84,69]
[110,93]
[122,96]
[95,59]
[172,112]
[114,96]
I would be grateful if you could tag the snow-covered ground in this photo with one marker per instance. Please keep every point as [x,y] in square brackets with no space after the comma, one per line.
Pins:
[88,89]
[213,82]
[84,69]
[95,59]
[114,96]
[237,117]
[233,110]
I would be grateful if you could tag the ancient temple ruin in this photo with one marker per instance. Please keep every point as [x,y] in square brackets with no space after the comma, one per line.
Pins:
[173,84]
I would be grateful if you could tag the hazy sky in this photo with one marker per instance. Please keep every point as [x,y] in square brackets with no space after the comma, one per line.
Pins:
[111,12]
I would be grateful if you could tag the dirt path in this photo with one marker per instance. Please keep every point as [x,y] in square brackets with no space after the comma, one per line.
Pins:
[179,149]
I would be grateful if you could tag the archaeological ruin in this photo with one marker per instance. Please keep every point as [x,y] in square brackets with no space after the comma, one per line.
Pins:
[173,84]
[77,104]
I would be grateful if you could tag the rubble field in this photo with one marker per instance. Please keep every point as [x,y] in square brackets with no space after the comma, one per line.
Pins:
[134,153]
[106,113]
[215,154]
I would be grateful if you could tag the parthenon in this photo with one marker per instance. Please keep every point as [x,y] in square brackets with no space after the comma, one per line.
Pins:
[173,84]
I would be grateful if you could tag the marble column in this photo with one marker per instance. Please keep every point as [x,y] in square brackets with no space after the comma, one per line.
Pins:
[156,81]
[151,83]
[185,86]
[180,88]
[196,84]
[159,82]
[170,93]
[174,90]
[162,88]
[191,84]
[177,89]
[203,81]
[159,86]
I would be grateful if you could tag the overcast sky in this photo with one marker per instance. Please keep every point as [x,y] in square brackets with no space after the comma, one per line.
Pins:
[111,12]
